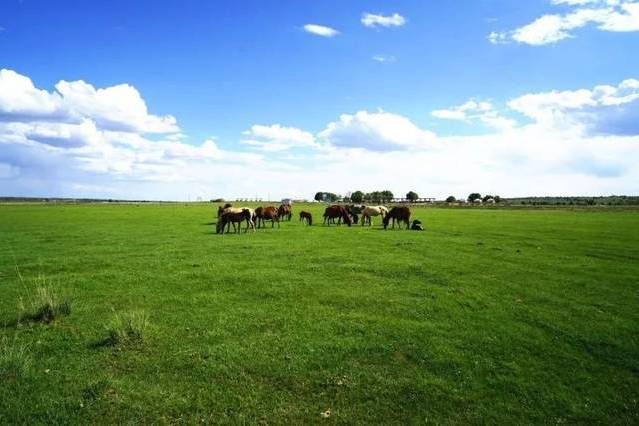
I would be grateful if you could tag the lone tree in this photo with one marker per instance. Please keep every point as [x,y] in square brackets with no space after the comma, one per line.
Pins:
[412,196]
[474,196]
[319,196]
[451,199]
[357,196]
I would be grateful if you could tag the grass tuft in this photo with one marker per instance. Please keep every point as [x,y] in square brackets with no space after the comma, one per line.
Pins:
[129,327]
[45,304]
[14,360]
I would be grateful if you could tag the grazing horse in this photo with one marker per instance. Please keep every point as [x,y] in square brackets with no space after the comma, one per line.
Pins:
[401,214]
[337,212]
[369,211]
[230,217]
[285,212]
[306,217]
[354,210]
[267,213]
[229,208]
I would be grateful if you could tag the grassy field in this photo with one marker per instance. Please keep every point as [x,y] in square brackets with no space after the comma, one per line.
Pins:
[490,316]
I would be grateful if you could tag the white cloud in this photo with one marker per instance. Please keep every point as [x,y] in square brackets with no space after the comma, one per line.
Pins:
[384,58]
[378,131]
[278,138]
[320,30]
[373,21]
[607,15]
[577,108]
[473,111]
[116,108]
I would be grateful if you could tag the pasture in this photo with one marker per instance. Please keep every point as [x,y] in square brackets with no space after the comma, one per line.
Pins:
[489,316]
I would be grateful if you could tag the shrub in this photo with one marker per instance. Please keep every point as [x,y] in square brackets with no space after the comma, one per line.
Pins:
[14,360]
[128,327]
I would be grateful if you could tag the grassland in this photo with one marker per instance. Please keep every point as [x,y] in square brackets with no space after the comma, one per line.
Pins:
[490,316]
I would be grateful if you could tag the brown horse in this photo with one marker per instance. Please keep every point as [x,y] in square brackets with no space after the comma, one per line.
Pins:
[285,212]
[267,213]
[337,212]
[230,217]
[306,216]
[401,214]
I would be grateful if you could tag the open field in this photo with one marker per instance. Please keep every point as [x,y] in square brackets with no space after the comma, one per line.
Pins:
[497,316]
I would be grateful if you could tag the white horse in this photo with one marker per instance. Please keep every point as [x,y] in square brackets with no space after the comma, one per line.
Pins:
[369,211]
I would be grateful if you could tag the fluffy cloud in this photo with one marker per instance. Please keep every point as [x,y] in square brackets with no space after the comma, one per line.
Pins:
[581,141]
[607,15]
[115,108]
[371,20]
[379,131]
[585,109]
[320,30]
[278,138]
[473,111]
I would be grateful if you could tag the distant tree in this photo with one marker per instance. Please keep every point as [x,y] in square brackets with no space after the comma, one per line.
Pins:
[330,197]
[487,197]
[357,196]
[474,196]
[386,196]
[374,197]
[451,199]
[497,198]
[412,196]
[319,196]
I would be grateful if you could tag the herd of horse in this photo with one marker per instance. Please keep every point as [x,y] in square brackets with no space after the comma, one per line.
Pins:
[336,214]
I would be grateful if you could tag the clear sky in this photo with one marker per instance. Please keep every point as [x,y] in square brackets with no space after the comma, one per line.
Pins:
[186,99]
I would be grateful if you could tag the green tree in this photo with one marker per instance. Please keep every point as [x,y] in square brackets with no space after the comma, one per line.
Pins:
[451,199]
[474,196]
[386,196]
[487,197]
[357,196]
[330,197]
[412,196]
[319,196]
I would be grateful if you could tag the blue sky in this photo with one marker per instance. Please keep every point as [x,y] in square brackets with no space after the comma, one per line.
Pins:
[440,82]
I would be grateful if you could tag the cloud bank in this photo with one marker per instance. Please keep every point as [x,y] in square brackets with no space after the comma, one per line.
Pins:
[77,140]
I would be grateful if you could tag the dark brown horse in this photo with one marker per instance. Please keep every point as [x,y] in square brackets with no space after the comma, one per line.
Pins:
[285,212]
[401,214]
[267,213]
[306,216]
[339,213]
[230,217]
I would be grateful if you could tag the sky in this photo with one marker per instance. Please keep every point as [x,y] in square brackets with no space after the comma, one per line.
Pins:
[175,100]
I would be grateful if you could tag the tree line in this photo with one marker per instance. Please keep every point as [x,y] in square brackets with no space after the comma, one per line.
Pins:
[377,197]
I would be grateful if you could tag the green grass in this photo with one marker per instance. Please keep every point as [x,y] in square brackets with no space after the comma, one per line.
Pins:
[490,316]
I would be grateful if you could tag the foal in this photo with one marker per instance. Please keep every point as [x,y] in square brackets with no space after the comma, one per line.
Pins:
[306,217]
